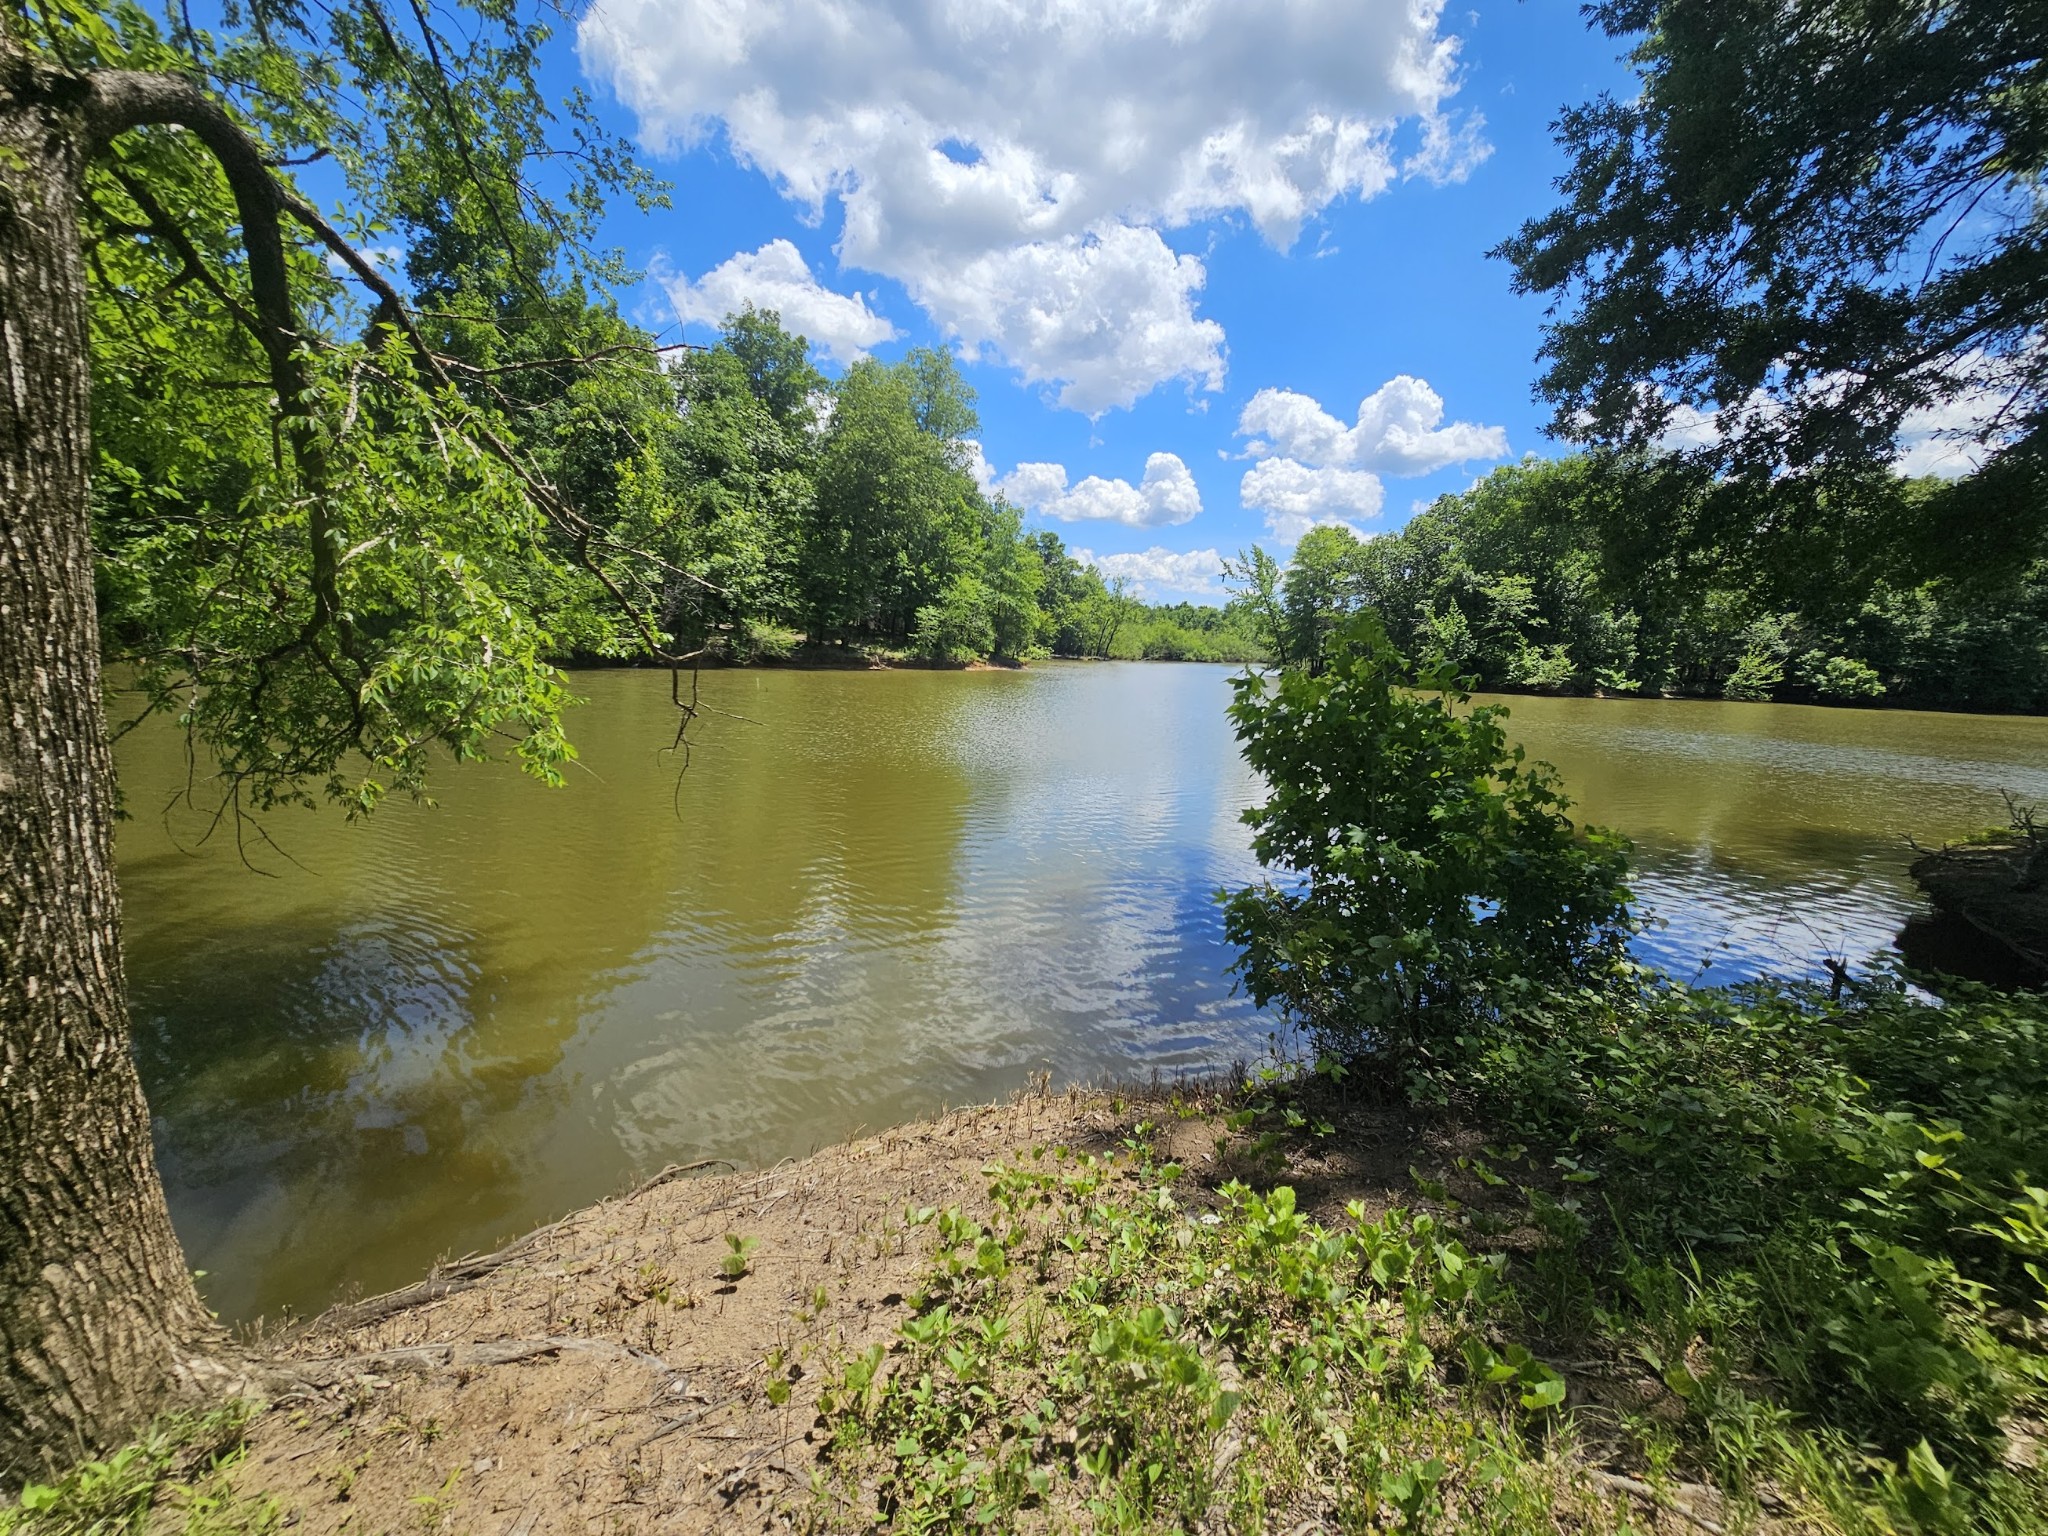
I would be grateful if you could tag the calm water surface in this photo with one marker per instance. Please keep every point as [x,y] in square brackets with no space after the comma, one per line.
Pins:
[871,894]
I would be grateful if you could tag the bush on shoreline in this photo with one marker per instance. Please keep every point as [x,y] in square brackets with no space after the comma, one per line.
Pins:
[1428,873]
[1820,1219]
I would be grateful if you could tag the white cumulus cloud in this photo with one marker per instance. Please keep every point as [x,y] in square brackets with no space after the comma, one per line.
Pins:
[1948,439]
[1158,572]
[777,277]
[1296,497]
[1398,430]
[1313,469]
[1013,164]
[1106,316]
[1167,495]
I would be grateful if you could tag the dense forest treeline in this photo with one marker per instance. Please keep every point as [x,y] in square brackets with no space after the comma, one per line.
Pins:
[845,513]
[1549,576]
[786,508]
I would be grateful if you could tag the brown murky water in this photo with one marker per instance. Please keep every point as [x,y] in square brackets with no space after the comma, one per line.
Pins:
[873,894]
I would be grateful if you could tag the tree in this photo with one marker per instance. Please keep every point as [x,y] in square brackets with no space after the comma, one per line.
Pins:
[1813,220]
[740,457]
[942,400]
[1321,589]
[1065,585]
[1554,575]
[1256,598]
[777,365]
[898,517]
[957,627]
[329,557]
[1014,575]
[1431,873]
[1104,612]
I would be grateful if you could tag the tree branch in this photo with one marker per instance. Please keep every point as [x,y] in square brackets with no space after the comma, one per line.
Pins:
[119,100]
[565,517]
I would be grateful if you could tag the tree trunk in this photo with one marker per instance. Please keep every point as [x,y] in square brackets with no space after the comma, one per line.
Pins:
[100,1324]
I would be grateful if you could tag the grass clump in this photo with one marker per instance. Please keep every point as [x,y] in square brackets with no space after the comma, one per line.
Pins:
[171,1479]
[1114,1350]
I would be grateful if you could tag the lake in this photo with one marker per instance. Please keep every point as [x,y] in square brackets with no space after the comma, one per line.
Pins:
[869,895]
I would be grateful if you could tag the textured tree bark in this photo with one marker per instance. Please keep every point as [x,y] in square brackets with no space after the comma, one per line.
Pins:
[100,1324]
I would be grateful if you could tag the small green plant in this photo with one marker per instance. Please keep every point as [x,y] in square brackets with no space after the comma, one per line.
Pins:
[435,1508]
[737,1261]
[782,1373]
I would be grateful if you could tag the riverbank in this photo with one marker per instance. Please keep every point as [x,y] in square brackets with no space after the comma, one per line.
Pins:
[876,658]
[705,1353]
[806,657]
[1647,1258]
[1991,895]
[614,1371]
[803,657]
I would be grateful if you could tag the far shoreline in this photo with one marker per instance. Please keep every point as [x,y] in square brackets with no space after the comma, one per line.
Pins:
[828,658]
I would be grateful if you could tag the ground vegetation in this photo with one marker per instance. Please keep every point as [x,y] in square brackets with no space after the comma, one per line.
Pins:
[1815,1212]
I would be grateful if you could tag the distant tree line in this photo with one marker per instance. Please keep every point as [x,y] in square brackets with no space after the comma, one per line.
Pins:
[845,513]
[1592,575]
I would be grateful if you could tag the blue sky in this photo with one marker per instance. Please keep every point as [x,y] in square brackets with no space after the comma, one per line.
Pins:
[1176,245]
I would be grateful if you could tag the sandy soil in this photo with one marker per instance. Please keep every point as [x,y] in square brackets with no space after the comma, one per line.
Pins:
[608,1378]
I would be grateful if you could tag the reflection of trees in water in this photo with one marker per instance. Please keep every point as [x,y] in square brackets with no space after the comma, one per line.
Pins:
[795,988]
[365,1061]
[832,801]
[329,1105]
[1788,788]
[357,1064]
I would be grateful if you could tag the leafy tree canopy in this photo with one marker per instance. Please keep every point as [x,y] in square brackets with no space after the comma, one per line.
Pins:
[1554,577]
[1815,219]
[341,522]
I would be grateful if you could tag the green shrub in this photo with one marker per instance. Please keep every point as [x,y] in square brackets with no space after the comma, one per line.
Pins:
[1162,639]
[764,642]
[169,1478]
[1427,874]
[1840,1201]
[1839,677]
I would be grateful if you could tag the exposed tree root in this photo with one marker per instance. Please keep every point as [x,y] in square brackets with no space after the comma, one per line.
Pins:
[471,1356]
[461,1274]
[1649,1495]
